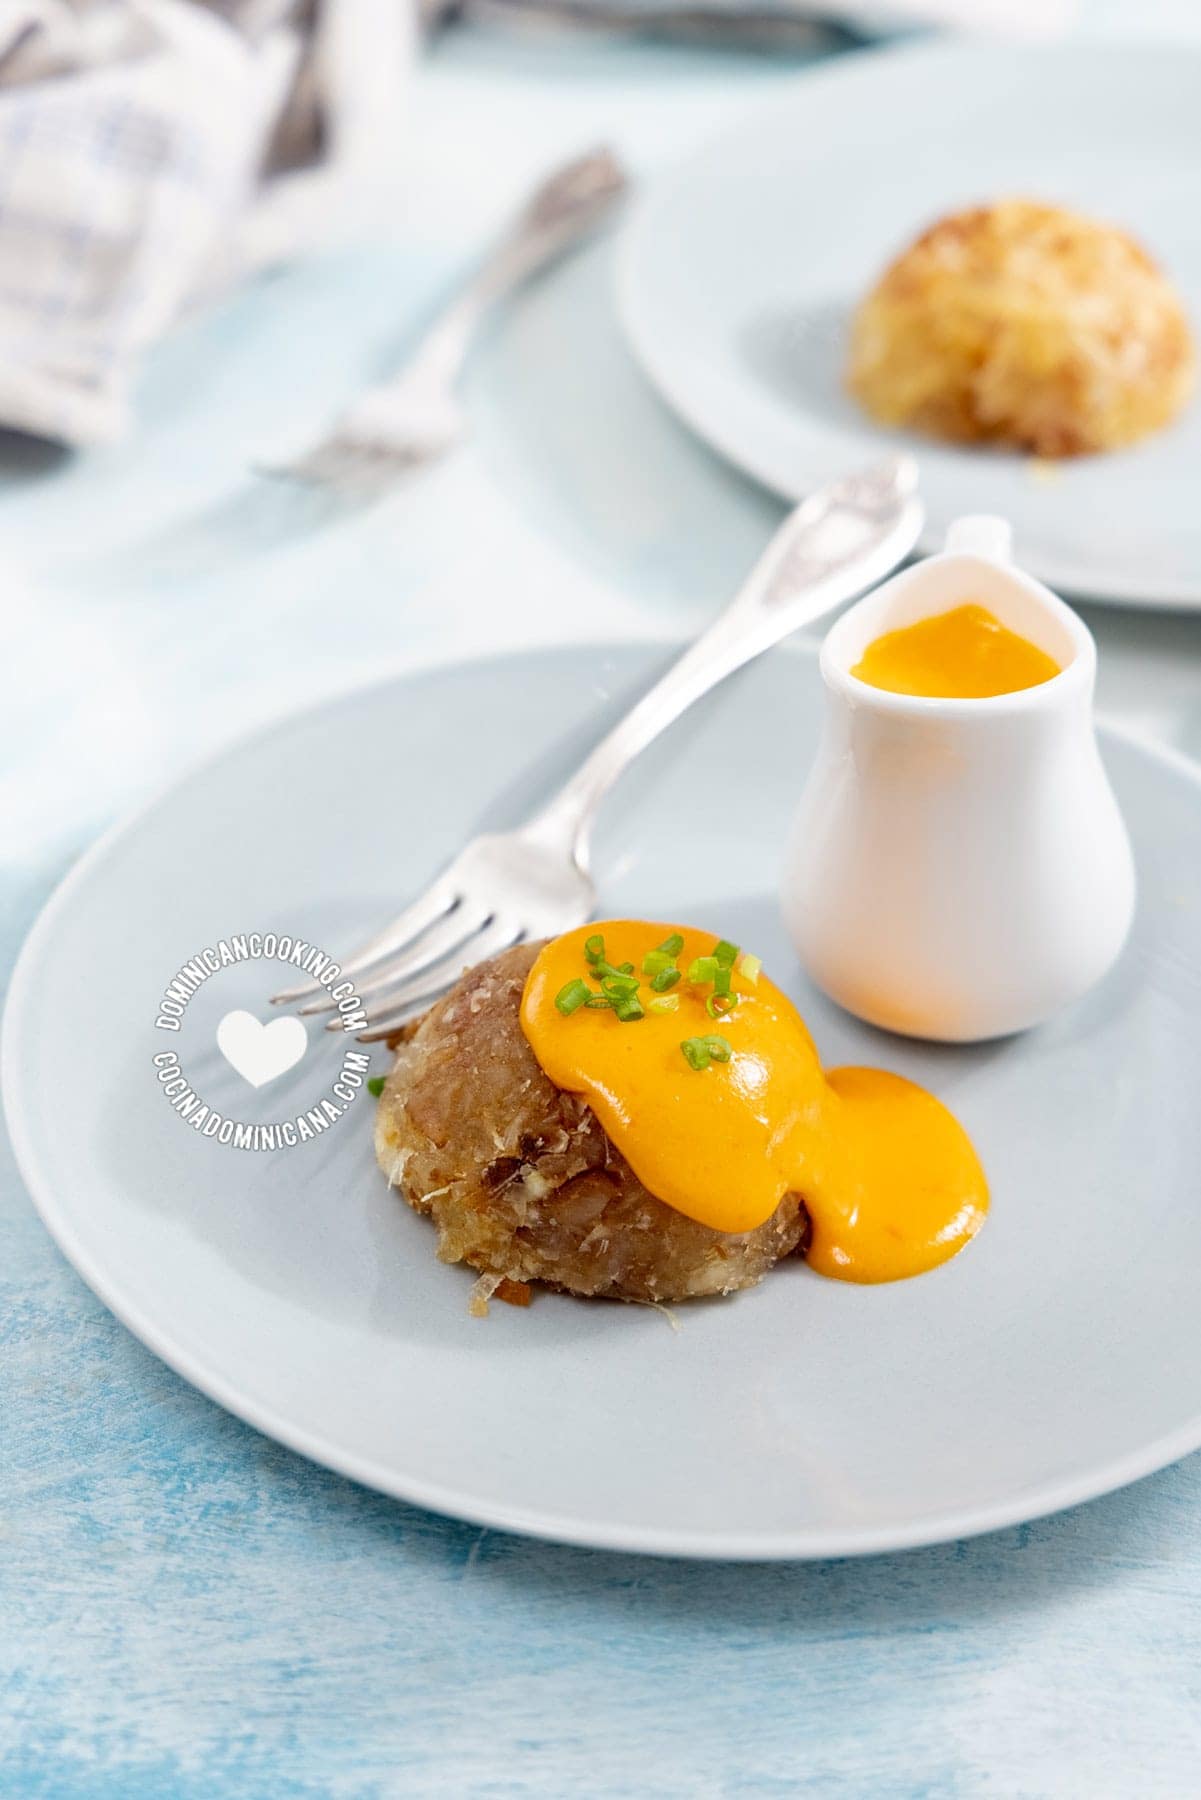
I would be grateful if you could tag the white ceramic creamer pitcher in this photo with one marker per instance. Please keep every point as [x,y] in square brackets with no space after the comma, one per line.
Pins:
[959,869]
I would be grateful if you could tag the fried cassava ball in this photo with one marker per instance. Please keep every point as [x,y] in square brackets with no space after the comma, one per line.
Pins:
[519,1178]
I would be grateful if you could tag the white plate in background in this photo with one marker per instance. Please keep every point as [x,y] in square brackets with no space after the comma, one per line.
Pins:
[740,269]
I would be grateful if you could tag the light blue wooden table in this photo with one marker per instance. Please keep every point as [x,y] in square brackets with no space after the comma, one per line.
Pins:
[187,1610]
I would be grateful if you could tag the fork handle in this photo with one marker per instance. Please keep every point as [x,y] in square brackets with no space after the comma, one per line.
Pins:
[837,543]
[565,207]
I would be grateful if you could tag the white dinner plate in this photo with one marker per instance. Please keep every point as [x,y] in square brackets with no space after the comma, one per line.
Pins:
[1058,1357]
[740,270]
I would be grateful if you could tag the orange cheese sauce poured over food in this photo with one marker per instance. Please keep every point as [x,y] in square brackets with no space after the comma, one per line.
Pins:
[890,1179]
[964,654]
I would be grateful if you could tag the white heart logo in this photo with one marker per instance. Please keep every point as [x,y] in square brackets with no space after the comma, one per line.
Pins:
[260,1052]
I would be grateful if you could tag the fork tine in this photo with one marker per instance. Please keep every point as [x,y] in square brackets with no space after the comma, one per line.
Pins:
[336,465]
[369,468]
[353,465]
[316,468]
[440,940]
[438,900]
[329,464]
[352,469]
[392,1022]
[383,464]
[333,461]
[413,997]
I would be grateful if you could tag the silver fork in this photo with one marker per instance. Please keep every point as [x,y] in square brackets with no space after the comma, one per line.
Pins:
[535,881]
[415,417]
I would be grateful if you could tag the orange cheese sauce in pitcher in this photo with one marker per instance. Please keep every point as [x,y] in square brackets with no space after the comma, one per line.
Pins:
[963,654]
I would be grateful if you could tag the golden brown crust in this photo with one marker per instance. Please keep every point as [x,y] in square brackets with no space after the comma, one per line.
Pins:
[520,1179]
[1027,325]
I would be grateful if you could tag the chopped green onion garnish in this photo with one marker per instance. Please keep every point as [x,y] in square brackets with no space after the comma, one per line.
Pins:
[601,968]
[619,987]
[696,1053]
[616,986]
[570,998]
[376,1085]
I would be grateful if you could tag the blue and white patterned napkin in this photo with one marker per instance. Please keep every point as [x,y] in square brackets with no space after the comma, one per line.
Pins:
[151,151]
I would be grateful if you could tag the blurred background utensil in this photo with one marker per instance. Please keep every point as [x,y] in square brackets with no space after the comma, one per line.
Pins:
[506,887]
[768,26]
[765,27]
[415,417]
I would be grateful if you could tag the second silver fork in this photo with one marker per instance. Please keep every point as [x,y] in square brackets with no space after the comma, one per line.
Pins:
[415,417]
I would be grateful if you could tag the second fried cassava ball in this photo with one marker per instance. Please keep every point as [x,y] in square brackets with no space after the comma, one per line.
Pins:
[1025,325]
